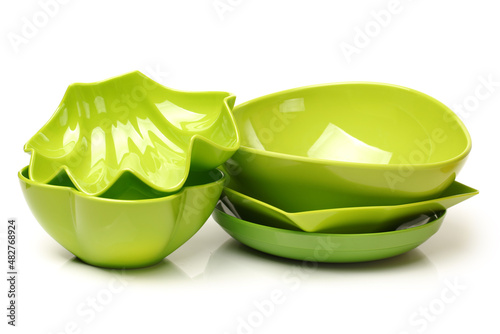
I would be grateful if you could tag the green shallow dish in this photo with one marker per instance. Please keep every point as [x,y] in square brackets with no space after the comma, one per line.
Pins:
[131,225]
[131,123]
[324,247]
[346,144]
[347,220]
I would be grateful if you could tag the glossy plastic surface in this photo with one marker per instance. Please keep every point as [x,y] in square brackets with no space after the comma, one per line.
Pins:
[347,220]
[133,226]
[346,144]
[325,247]
[132,123]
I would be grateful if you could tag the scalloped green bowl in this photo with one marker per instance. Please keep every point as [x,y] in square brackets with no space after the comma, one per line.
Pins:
[131,226]
[131,123]
[325,247]
[346,144]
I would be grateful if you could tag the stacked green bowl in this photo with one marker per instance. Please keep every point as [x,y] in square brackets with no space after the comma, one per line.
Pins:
[353,161]
[125,171]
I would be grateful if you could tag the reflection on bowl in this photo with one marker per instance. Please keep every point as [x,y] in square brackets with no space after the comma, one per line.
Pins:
[131,226]
[346,144]
[133,124]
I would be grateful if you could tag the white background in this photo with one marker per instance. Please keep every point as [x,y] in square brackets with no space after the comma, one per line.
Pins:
[254,47]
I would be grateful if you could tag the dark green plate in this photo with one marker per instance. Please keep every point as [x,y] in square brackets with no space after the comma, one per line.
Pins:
[325,247]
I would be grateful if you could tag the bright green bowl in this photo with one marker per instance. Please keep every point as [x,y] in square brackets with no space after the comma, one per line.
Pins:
[346,144]
[363,219]
[131,226]
[325,247]
[131,123]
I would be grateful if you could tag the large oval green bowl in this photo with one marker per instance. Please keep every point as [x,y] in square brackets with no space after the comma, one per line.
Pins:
[131,225]
[325,247]
[346,144]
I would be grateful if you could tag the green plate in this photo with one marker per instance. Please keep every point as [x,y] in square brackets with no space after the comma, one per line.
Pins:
[346,145]
[346,220]
[133,124]
[324,247]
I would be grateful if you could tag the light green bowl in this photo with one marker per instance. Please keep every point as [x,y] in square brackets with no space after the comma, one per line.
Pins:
[131,123]
[347,220]
[131,225]
[346,144]
[325,247]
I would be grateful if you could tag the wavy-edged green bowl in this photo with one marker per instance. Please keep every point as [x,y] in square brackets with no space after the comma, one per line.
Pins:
[347,220]
[346,144]
[131,123]
[325,247]
[131,225]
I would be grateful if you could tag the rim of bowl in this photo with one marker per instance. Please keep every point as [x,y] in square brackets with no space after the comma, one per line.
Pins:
[287,214]
[293,157]
[21,177]
[440,216]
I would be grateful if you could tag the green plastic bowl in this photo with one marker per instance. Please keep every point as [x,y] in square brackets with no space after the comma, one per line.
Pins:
[129,226]
[325,247]
[346,144]
[132,124]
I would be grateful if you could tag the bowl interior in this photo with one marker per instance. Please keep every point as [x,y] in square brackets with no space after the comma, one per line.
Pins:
[133,107]
[129,187]
[353,122]
[132,123]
